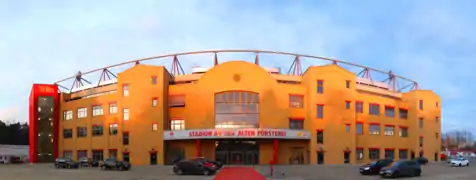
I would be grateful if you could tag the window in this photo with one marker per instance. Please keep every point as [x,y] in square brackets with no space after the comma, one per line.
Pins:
[421,141]
[320,86]
[402,154]
[359,152]
[374,129]
[154,127]
[296,123]
[389,154]
[374,109]
[359,128]
[437,119]
[347,104]
[112,129]
[98,155]
[359,107]
[153,80]
[436,104]
[437,135]
[126,114]
[347,128]
[421,104]
[389,130]
[374,153]
[112,108]
[82,112]
[67,115]
[125,138]
[97,110]
[420,123]
[320,137]
[125,90]
[320,111]
[389,111]
[82,154]
[82,132]
[403,132]
[296,101]
[177,124]
[177,100]
[237,109]
[347,84]
[67,133]
[97,130]
[403,113]
[113,153]
[154,102]
[68,154]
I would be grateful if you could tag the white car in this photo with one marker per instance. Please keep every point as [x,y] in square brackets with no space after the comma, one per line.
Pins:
[459,162]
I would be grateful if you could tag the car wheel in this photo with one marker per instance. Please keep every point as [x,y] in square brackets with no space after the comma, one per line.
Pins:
[459,164]
[178,171]
[68,166]
[56,166]
[104,167]
[121,168]
[467,164]
[417,173]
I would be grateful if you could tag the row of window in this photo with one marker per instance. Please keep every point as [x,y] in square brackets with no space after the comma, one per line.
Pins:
[374,154]
[97,155]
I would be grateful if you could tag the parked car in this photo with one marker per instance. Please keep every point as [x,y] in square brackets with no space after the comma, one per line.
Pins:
[66,163]
[84,162]
[111,163]
[374,167]
[459,162]
[216,163]
[94,163]
[195,166]
[405,168]
[422,160]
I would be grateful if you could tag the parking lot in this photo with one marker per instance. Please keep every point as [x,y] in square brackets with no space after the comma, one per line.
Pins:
[438,171]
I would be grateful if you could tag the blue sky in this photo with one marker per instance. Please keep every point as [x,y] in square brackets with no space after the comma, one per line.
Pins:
[429,41]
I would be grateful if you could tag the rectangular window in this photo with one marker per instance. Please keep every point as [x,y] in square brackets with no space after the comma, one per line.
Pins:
[347,128]
[177,100]
[97,130]
[420,123]
[359,128]
[389,111]
[437,135]
[347,84]
[296,123]
[82,132]
[374,129]
[82,154]
[126,114]
[374,109]
[437,119]
[112,129]
[153,80]
[67,133]
[82,112]
[125,138]
[420,104]
[68,154]
[389,130]
[154,102]
[113,153]
[125,90]
[320,86]
[403,113]
[68,115]
[320,111]
[112,108]
[154,127]
[97,110]
[177,124]
[403,132]
[347,104]
[320,137]
[359,107]
[98,155]
[436,104]
[402,154]
[389,154]
[359,153]
[421,141]
[374,153]
[296,101]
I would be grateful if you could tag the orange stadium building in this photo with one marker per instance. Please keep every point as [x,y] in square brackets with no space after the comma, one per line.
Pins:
[236,112]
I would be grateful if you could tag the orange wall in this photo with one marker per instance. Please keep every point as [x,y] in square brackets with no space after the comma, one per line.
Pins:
[274,112]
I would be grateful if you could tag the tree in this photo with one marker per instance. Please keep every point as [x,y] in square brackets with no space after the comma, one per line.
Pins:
[14,133]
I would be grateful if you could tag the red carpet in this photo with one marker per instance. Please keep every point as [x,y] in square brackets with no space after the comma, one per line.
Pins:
[238,173]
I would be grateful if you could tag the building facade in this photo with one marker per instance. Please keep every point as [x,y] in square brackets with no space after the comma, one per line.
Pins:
[239,113]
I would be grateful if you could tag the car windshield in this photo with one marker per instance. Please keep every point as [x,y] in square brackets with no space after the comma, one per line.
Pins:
[394,164]
[378,162]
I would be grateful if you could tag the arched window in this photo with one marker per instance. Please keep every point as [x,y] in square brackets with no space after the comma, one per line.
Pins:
[236,109]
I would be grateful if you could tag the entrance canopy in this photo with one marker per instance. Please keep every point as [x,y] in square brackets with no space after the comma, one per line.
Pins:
[249,133]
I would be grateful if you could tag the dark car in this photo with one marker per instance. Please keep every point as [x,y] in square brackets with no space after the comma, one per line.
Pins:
[112,163]
[406,168]
[374,167]
[422,160]
[66,163]
[216,163]
[195,166]
[85,162]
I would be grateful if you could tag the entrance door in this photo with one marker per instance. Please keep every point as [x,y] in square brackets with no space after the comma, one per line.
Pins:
[125,157]
[222,156]
[320,157]
[346,157]
[412,155]
[436,157]
[236,157]
[251,157]
[153,158]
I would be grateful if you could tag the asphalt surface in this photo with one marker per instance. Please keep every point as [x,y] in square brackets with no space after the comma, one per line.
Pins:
[436,171]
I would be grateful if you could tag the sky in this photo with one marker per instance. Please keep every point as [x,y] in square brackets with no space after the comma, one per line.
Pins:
[429,41]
